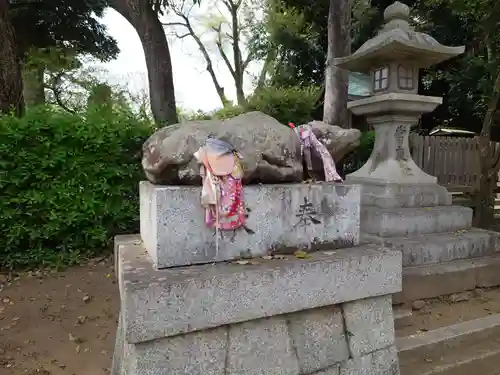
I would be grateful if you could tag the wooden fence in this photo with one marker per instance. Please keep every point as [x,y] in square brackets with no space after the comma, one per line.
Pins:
[454,161]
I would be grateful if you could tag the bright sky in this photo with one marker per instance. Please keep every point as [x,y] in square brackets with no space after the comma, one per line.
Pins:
[193,86]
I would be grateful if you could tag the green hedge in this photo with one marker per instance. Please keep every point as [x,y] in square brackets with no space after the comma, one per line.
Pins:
[67,184]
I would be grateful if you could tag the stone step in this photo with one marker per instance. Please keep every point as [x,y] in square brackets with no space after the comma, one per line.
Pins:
[394,222]
[445,247]
[402,316]
[435,280]
[464,348]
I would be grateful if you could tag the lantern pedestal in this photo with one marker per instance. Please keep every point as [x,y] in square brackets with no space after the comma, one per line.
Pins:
[390,177]
[392,116]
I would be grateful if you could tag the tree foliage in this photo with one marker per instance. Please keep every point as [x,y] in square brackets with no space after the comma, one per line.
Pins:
[66,24]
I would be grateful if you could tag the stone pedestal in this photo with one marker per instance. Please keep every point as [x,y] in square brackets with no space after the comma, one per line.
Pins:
[330,314]
[281,218]
[392,116]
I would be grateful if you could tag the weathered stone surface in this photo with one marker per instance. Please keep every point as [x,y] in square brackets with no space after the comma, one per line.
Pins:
[337,140]
[162,303]
[435,343]
[391,222]
[123,239]
[319,338]
[385,361]
[381,362]
[261,346]
[197,353]
[117,366]
[434,280]
[460,297]
[270,149]
[390,195]
[282,217]
[335,370]
[370,324]
[445,247]
[403,316]
[418,304]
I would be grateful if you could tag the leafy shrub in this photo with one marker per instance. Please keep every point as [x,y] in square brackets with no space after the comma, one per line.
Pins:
[67,184]
[228,112]
[295,104]
[291,104]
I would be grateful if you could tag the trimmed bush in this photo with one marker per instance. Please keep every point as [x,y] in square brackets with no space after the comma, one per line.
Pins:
[67,184]
[292,104]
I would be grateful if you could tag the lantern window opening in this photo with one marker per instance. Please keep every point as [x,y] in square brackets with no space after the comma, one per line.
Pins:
[381,79]
[405,77]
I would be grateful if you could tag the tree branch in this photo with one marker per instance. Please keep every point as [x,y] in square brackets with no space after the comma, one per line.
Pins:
[203,50]
[174,24]
[57,92]
[226,59]
[247,61]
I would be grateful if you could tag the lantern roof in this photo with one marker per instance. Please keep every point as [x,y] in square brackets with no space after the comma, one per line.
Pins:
[398,41]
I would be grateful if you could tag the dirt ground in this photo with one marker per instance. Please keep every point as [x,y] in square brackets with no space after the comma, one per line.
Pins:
[64,323]
[442,312]
[58,324]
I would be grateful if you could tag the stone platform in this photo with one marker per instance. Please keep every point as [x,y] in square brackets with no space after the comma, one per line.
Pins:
[280,218]
[330,314]
[401,195]
[441,252]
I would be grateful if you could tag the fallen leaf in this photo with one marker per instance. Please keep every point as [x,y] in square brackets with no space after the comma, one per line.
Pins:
[301,254]
[329,252]
[279,257]
[242,262]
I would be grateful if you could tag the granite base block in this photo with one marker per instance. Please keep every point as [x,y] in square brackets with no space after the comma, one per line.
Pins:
[285,317]
[381,362]
[445,247]
[370,323]
[393,222]
[391,195]
[161,303]
[280,218]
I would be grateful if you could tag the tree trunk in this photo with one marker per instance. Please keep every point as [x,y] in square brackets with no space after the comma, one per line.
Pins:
[144,19]
[270,57]
[238,61]
[34,91]
[337,80]
[490,163]
[11,84]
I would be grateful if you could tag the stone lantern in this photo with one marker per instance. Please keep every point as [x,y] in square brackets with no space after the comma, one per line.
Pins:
[393,58]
